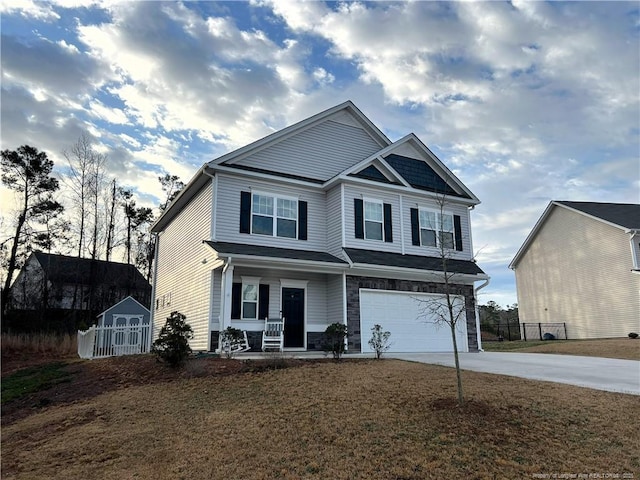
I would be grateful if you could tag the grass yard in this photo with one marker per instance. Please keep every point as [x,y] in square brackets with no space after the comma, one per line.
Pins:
[360,419]
[625,348]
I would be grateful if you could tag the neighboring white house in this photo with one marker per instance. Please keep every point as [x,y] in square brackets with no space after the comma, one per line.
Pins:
[581,265]
[324,221]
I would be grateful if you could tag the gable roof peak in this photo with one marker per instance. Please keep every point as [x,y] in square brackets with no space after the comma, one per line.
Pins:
[348,106]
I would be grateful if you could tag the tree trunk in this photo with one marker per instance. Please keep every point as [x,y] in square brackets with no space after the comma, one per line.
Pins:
[111,226]
[12,259]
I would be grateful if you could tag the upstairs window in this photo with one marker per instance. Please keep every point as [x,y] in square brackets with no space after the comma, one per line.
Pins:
[373,219]
[436,229]
[431,228]
[286,217]
[277,216]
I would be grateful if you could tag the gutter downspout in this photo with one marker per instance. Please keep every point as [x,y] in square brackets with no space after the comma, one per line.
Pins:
[635,251]
[475,299]
[153,290]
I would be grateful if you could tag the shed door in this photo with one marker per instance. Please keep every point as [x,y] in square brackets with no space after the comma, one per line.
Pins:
[127,334]
[401,313]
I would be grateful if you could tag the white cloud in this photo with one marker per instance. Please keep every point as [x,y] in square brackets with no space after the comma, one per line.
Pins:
[29,8]
[111,115]
[526,101]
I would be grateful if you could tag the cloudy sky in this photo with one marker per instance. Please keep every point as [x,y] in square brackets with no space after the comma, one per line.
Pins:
[525,101]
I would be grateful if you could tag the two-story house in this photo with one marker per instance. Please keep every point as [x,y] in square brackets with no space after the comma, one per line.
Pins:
[580,265]
[324,221]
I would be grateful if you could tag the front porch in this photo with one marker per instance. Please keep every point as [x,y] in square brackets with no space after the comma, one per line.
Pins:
[309,294]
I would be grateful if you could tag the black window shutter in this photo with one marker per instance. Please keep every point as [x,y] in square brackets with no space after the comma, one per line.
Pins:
[388,224]
[236,304]
[358,206]
[263,307]
[245,212]
[457,229]
[415,227]
[302,220]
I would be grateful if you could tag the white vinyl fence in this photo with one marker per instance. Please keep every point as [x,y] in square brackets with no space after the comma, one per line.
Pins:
[113,341]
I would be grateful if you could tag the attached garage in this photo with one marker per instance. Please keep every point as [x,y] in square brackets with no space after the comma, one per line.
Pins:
[401,313]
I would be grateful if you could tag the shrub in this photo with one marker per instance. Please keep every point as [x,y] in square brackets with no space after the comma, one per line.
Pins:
[172,345]
[379,341]
[335,335]
[228,338]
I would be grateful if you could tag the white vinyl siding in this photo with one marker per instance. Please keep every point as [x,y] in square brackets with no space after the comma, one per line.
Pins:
[578,270]
[319,152]
[334,221]
[181,271]
[335,299]
[228,213]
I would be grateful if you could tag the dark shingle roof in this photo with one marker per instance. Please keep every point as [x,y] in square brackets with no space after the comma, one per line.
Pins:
[66,269]
[274,252]
[372,173]
[420,175]
[417,262]
[626,215]
[275,174]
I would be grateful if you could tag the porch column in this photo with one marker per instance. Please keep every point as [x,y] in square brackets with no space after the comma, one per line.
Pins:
[225,304]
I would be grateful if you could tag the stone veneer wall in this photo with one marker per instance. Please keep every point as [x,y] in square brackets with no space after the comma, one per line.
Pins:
[354,284]
[315,340]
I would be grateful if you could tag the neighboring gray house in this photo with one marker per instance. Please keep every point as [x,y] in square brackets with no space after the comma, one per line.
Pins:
[61,282]
[581,265]
[324,221]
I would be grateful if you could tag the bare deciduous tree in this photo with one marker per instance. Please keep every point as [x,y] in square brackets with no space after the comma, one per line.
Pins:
[447,311]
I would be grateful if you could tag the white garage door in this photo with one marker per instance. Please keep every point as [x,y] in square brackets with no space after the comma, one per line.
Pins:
[402,314]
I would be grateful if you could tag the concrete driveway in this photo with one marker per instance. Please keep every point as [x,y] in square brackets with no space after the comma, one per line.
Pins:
[608,374]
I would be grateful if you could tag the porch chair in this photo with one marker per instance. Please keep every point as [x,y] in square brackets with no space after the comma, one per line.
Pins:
[237,346]
[273,334]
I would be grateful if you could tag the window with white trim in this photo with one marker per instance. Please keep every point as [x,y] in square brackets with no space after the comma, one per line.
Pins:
[274,215]
[436,229]
[250,300]
[373,220]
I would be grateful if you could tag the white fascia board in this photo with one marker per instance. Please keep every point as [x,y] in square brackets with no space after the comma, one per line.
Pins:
[279,263]
[378,157]
[300,126]
[407,191]
[365,269]
[264,176]
[123,300]
[375,160]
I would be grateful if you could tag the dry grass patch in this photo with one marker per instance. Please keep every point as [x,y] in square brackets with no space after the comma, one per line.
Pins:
[624,348]
[355,420]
